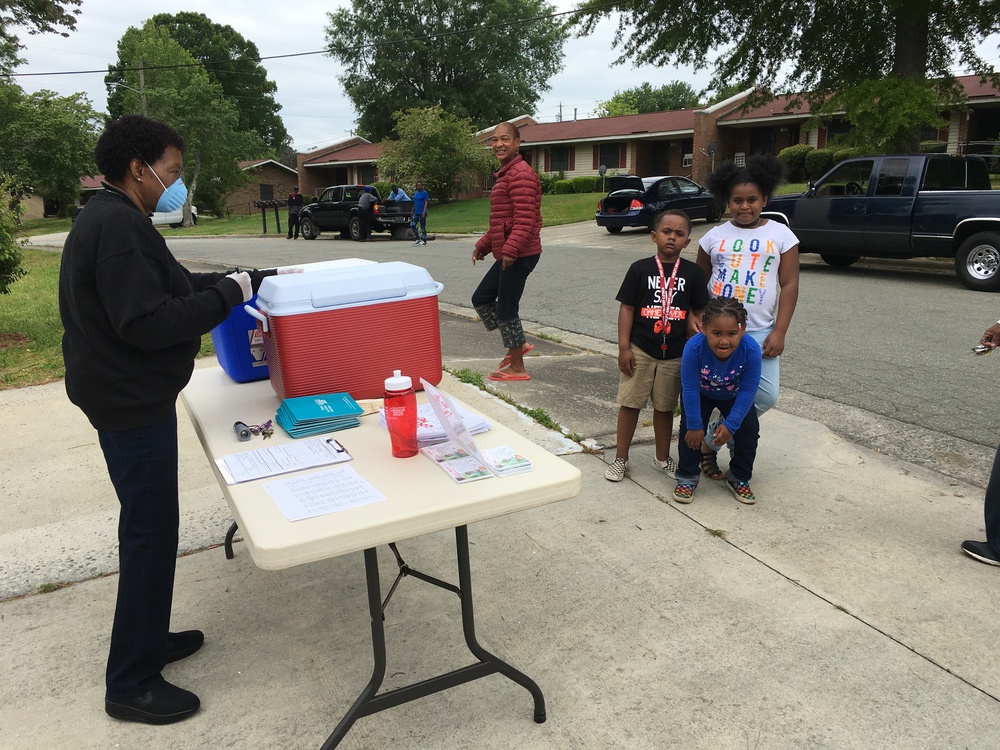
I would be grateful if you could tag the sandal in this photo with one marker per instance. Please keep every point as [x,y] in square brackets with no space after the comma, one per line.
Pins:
[710,466]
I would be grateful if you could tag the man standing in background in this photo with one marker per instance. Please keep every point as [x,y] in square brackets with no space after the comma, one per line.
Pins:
[365,204]
[418,221]
[295,201]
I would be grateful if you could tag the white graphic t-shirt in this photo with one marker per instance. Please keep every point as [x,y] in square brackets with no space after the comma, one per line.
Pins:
[745,266]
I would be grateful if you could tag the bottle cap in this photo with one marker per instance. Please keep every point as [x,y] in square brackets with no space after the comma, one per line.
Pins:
[398,382]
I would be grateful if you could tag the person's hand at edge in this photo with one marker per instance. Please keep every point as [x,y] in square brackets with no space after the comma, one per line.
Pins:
[992,336]
[243,279]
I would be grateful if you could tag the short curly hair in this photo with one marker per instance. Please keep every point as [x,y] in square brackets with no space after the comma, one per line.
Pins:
[130,137]
[762,170]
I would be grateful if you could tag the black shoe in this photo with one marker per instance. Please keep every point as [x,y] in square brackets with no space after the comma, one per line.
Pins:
[163,703]
[182,645]
[981,551]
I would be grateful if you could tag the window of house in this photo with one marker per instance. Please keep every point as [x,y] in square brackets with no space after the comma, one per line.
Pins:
[610,155]
[559,159]
[688,160]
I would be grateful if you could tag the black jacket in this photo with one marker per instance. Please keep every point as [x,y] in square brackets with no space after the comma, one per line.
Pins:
[133,316]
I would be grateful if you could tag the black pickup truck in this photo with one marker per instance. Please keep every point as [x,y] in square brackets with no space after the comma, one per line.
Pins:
[926,205]
[337,211]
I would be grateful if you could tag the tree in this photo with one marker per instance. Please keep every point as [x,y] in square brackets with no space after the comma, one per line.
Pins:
[234,63]
[461,56]
[36,17]
[48,141]
[437,148]
[819,47]
[644,98]
[10,245]
[179,92]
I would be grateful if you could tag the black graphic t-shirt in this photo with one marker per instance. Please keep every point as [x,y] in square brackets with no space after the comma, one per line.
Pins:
[641,291]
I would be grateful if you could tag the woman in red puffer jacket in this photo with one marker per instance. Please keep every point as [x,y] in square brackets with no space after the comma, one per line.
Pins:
[513,240]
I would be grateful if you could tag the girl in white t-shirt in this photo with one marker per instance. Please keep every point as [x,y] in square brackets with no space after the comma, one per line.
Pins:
[755,260]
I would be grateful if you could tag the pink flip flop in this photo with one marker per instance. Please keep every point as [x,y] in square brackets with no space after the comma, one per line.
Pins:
[502,376]
[506,360]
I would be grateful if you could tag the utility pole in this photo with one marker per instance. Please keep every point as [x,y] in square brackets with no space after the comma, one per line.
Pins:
[142,90]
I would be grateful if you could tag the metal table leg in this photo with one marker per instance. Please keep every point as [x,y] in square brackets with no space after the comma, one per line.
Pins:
[369,702]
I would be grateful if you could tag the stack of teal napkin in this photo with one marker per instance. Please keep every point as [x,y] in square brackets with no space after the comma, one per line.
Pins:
[312,415]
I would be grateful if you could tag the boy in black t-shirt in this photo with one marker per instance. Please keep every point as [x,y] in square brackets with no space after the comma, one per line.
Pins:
[657,296]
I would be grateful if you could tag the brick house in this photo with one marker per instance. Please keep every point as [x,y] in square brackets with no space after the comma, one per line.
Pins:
[348,162]
[688,142]
[274,181]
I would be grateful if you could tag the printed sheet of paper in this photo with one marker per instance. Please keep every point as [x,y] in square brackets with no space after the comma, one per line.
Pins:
[281,459]
[311,495]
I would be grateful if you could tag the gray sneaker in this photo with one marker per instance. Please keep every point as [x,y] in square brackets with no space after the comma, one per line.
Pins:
[617,471]
[668,467]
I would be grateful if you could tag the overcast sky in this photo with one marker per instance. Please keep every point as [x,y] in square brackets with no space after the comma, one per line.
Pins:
[313,105]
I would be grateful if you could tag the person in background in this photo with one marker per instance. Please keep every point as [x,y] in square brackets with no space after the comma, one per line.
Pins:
[513,239]
[366,202]
[989,551]
[397,193]
[418,220]
[133,319]
[295,203]
[657,297]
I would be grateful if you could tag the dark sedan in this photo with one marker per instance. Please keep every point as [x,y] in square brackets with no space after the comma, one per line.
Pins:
[634,201]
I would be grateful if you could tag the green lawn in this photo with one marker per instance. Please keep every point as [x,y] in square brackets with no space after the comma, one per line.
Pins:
[462,217]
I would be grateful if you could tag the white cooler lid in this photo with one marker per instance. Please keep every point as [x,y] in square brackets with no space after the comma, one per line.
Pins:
[345,286]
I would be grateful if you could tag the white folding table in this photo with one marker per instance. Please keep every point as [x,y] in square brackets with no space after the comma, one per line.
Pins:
[420,498]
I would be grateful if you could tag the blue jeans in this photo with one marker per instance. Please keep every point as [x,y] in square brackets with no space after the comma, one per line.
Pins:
[744,444]
[142,464]
[992,507]
[767,391]
[420,221]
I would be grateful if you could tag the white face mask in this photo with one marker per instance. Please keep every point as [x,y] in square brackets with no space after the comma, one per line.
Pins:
[172,197]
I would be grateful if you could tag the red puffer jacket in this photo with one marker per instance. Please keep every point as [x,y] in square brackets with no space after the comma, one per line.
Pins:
[515,213]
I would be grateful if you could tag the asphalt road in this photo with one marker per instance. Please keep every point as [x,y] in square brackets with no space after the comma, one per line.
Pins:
[879,351]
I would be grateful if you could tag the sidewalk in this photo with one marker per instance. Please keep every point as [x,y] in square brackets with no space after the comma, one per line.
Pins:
[836,613]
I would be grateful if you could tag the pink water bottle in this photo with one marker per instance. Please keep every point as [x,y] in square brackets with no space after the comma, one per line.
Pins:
[401,414]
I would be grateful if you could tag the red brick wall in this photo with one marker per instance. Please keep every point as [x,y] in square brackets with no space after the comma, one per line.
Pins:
[241,201]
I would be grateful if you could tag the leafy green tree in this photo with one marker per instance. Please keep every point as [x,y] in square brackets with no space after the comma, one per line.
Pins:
[233,62]
[461,56]
[35,17]
[437,148]
[179,92]
[10,244]
[821,47]
[48,141]
[644,98]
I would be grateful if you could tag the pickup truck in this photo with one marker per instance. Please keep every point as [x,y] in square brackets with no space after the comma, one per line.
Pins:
[337,211]
[926,205]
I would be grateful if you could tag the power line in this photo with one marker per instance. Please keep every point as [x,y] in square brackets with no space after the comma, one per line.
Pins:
[361,48]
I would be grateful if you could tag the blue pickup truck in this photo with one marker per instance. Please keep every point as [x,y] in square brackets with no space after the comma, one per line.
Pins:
[926,205]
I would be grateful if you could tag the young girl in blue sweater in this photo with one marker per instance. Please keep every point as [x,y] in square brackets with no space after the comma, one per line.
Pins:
[720,369]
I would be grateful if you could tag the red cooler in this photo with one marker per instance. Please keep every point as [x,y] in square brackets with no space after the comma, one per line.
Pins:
[348,330]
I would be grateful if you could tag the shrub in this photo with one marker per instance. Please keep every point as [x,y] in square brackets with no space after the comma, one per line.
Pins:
[586,184]
[848,153]
[818,163]
[933,147]
[794,159]
[564,187]
[383,189]
[548,183]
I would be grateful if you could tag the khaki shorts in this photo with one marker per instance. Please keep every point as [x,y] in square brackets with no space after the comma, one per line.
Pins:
[656,379]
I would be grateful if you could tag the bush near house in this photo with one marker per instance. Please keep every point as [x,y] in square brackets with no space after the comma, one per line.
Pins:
[854,152]
[548,183]
[586,184]
[564,187]
[383,188]
[794,159]
[818,163]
